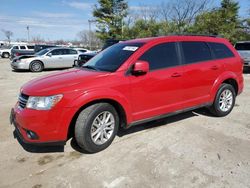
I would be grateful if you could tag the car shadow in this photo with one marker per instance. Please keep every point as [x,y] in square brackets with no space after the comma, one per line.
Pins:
[121,132]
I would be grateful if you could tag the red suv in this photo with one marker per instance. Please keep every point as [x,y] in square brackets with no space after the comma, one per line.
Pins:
[129,83]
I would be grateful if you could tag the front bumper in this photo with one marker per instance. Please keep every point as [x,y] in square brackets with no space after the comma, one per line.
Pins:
[19,65]
[41,127]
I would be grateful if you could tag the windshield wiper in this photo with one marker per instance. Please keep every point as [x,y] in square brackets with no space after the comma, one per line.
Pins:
[90,67]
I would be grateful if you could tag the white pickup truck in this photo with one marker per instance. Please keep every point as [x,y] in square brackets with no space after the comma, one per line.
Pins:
[6,52]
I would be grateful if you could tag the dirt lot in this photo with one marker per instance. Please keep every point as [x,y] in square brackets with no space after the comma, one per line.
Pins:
[188,150]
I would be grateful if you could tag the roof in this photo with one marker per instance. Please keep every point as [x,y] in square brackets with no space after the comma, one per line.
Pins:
[176,37]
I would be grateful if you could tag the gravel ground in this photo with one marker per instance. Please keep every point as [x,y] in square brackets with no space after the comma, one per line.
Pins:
[187,150]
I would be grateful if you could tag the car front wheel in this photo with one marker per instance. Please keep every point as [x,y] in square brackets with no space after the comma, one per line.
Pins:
[96,127]
[224,100]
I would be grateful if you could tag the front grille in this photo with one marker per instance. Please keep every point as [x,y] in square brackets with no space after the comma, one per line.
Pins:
[22,100]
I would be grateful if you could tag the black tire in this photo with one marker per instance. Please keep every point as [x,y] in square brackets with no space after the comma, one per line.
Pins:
[216,108]
[36,66]
[83,127]
[5,55]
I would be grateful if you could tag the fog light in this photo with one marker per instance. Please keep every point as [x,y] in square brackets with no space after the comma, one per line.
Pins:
[31,135]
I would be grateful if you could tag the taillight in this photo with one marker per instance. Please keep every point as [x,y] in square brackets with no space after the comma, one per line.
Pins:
[17,54]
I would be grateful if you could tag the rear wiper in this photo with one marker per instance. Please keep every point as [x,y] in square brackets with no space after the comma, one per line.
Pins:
[90,67]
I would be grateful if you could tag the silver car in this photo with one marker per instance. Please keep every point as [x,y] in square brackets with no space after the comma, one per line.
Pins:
[243,49]
[57,57]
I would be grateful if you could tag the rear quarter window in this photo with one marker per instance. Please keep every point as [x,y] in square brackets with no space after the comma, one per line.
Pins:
[220,50]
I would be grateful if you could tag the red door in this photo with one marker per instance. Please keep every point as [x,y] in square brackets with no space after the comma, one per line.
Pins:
[160,90]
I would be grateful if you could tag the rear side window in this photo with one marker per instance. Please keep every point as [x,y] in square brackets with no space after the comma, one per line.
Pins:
[242,46]
[196,52]
[31,47]
[161,56]
[72,51]
[57,52]
[221,50]
[22,48]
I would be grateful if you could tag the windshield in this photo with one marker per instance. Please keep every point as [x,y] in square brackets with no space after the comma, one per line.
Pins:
[42,52]
[242,46]
[113,57]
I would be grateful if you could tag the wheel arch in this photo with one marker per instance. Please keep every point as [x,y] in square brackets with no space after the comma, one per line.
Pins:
[117,105]
[36,60]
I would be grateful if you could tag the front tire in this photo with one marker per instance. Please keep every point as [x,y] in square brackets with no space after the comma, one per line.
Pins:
[96,127]
[5,55]
[36,66]
[224,101]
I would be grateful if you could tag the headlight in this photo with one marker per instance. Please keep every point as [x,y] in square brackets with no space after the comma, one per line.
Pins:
[43,103]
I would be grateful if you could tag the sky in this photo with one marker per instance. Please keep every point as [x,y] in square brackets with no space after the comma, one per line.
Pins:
[60,19]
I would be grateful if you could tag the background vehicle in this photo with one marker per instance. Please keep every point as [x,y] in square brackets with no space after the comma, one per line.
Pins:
[5,51]
[83,58]
[22,50]
[243,48]
[57,57]
[130,83]
[39,47]
[83,50]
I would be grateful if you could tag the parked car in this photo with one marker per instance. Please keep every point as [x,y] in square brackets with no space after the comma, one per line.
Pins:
[22,50]
[5,51]
[83,50]
[129,83]
[243,48]
[58,57]
[39,47]
[83,58]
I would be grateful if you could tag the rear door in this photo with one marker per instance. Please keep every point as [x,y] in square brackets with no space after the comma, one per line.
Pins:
[160,90]
[200,72]
[70,57]
[55,60]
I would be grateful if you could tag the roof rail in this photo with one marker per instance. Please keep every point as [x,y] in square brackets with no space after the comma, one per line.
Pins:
[190,34]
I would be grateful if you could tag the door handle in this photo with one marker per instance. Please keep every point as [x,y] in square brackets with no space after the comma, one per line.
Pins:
[176,74]
[214,67]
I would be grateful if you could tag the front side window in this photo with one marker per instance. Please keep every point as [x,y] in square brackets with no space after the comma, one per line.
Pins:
[22,47]
[221,50]
[196,52]
[113,57]
[161,56]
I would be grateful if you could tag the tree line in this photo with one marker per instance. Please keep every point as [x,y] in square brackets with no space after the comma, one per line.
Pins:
[115,19]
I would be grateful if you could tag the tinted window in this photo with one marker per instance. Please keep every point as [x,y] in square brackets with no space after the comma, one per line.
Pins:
[57,52]
[161,56]
[15,47]
[221,50]
[31,47]
[22,47]
[196,52]
[242,46]
[82,51]
[72,51]
[113,57]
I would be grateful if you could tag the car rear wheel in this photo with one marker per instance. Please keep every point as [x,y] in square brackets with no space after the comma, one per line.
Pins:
[224,100]
[96,127]
[36,66]
[5,55]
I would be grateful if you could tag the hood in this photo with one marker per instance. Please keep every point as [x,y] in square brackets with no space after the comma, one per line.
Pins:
[61,82]
[24,57]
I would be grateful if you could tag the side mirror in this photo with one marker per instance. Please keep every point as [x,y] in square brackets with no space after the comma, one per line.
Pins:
[49,54]
[140,68]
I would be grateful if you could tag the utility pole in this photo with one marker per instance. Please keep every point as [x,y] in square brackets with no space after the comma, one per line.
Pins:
[28,33]
[90,33]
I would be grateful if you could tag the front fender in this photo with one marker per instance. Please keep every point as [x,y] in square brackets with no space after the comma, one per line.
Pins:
[103,94]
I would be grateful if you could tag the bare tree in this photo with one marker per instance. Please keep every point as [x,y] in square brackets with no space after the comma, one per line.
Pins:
[88,38]
[165,11]
[8,34]
[184,11]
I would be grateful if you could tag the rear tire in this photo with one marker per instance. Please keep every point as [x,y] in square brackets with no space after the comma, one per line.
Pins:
[96,127]
[36,66]
[224,101]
